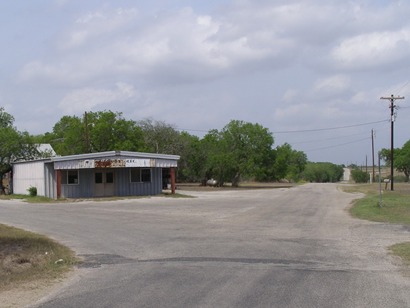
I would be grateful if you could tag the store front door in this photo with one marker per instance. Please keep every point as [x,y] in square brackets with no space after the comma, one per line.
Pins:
[103,183]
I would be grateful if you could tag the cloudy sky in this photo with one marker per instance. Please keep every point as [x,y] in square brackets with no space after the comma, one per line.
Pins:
[311,71]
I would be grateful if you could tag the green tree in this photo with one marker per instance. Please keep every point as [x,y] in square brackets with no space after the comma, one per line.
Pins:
[95,132]
[14,145]
[109,131]
[289,163]
[297,165]
[402,160]
[192,164]
[218,160]
[240,149]
[160,137]
[67,137]
[6,119]
[385,155]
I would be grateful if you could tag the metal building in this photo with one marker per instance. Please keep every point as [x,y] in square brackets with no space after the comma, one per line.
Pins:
[113,173]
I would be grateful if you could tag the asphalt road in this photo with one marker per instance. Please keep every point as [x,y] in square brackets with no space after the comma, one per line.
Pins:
[293,247]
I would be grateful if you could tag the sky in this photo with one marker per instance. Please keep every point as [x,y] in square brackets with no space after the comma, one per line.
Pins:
[311,71]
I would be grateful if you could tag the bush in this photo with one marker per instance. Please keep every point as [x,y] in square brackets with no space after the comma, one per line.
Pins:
[400,179]
[32,191]
[360,176]
[323,172]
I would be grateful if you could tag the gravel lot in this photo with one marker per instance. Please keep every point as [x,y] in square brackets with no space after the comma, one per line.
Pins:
[286,247]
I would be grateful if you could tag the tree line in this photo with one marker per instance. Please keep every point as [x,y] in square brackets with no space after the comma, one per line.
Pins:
[239,151]
[401,161]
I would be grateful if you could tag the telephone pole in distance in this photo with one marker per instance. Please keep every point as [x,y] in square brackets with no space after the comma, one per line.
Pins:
[373,174]
[392,107]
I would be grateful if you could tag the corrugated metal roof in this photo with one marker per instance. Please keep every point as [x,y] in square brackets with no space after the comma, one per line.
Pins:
[46,149]
[113,154]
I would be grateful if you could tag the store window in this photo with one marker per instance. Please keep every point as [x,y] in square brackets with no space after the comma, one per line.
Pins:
[135,175]
[69,177]
[139,175]
[145,175]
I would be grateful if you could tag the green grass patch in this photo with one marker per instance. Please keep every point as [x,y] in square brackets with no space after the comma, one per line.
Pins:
[402,250]
[395,208]
[11,197]
[27,256]
[28,198]
[176,195]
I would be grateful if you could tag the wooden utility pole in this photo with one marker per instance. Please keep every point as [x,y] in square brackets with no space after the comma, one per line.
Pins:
[392,107]
[86,134]
[373,176]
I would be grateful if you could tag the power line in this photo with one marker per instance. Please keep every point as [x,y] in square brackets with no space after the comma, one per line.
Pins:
[326,139]
[328,128]
[402,87]
[337,145]
[296,131]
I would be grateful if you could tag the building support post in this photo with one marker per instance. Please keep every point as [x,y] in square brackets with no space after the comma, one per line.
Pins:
[172,173]
[58,176]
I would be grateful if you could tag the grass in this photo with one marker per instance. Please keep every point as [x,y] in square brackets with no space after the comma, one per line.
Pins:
[28,198]
[395,208]
[402,250]
[176,195]
[41,199]
[395,204]
[27,257]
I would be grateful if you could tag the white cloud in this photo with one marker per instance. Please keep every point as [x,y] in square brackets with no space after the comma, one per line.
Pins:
[285,64]
[61,2]
[97,24]
[88,98]
[332,85]
[183,44]
[371,50]
[290,95]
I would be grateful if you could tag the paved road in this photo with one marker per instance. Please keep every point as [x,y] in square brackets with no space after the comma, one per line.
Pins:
[293,247]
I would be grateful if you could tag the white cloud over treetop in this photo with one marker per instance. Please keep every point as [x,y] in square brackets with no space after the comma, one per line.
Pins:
[79,100]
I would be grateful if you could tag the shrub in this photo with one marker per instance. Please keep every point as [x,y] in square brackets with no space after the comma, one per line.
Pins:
[360,176]
[400,179]
[323,172]
[32,191]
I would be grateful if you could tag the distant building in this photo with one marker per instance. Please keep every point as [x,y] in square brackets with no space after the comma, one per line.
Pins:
[103,174]
[45,150]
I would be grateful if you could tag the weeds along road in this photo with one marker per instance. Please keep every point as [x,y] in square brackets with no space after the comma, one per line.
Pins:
[294,247]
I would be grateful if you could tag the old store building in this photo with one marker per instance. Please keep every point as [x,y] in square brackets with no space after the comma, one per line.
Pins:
[113,173]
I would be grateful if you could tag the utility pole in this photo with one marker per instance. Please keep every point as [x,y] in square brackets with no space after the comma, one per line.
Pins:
[380,183]
[373,177]
[392,107]
[86,134]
